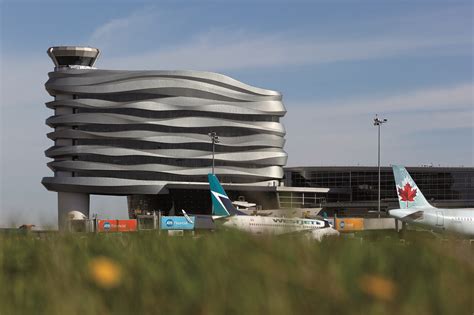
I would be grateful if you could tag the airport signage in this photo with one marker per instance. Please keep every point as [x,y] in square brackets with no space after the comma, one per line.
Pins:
[176,223]
[116,225]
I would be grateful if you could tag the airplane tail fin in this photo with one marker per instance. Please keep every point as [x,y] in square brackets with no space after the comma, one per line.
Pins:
[409,195]
[221,204]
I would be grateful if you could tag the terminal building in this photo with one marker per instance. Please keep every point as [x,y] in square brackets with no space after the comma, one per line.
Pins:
[355,188]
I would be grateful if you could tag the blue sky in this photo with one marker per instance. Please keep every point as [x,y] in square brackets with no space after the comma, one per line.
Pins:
[337,63]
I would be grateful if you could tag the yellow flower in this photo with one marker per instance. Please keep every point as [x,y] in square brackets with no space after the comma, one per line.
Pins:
[105,272]
[378,287]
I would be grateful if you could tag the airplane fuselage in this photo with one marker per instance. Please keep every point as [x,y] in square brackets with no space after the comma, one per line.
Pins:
[279,225]
[459,221]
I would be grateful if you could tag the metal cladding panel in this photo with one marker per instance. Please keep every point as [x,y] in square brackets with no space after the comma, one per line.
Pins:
[125,132]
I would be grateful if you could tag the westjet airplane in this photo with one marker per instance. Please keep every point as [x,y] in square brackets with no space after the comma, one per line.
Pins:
[414,209]
[224,211]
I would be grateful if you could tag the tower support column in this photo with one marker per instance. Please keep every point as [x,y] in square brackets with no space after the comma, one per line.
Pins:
[68,202]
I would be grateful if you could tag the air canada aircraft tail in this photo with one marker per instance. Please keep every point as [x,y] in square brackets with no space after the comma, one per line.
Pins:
[409,195]
[221,204]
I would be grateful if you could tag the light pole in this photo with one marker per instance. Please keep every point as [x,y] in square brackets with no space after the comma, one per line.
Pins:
[214,140]
[378,122]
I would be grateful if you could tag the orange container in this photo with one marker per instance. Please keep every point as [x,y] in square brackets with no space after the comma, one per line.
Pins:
[117,225]
[349,224]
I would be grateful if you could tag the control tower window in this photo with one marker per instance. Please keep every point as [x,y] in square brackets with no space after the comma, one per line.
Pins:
[74,60]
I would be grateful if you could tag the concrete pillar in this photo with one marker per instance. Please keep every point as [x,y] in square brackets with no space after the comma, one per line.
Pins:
[68,202]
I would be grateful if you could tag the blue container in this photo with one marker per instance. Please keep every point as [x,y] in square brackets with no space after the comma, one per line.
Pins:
[176,223]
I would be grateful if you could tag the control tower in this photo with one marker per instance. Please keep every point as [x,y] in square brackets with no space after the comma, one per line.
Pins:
[145,134]
[68,58]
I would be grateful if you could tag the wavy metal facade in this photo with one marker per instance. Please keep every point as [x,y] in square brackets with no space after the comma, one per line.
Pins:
[131,132]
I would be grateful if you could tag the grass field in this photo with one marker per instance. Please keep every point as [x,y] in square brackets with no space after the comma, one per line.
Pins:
[231,273]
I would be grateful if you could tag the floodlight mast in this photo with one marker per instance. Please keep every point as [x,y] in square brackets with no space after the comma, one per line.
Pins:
[378,122]
[214,139]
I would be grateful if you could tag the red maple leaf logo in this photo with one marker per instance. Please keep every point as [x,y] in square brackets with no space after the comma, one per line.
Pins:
[407,193]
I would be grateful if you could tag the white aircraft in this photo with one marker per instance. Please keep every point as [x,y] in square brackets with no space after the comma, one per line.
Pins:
[224,211]
[414,209]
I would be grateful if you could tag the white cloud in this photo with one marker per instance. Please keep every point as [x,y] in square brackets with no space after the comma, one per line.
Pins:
[342,133]
[237,50]
[112,28]
[119,30]
[222,48]
[352,139]
[445,98]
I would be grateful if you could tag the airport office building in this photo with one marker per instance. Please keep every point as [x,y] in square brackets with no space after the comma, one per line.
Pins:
[145,135]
